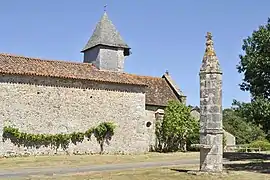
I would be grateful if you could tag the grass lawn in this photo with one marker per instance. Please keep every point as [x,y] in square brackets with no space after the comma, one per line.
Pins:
[81,160]
[166,173]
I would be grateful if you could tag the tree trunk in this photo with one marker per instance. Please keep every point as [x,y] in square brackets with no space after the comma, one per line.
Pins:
[101,147]
[185,145]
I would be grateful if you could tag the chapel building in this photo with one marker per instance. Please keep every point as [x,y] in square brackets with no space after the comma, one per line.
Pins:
[52,96]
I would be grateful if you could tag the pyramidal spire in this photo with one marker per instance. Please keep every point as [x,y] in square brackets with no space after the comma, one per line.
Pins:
[105,34]
[210,61]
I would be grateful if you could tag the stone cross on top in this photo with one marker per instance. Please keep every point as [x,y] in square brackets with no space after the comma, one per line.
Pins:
[210,61]
[105,7]
[209,45]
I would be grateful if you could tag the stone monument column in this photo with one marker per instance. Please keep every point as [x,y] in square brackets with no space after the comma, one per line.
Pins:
[211,130]
[1,138]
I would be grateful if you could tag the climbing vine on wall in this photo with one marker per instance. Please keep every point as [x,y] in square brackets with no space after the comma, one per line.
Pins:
[103,132]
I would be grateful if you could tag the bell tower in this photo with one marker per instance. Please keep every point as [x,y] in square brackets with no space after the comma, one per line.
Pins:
[106,49]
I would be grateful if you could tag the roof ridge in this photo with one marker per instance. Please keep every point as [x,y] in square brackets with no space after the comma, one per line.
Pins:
[157,91]
[77,63]
[50,60]
[144,76]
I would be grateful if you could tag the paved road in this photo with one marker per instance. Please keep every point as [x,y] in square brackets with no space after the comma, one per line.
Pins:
[94,168]
[91,168]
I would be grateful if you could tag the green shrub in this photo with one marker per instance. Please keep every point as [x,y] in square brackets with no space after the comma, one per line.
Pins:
[263,144]
[103,133]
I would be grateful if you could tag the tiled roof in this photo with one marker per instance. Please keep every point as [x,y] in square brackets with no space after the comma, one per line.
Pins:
[173,84]
[32,66]
[105,33]
[158,91]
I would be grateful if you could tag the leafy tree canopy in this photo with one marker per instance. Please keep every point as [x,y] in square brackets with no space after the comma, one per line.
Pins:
[255,63]
[257,112]
[244,132]
[255,66]
[176,128]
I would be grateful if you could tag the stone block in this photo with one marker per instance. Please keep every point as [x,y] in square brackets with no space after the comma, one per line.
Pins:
[60,109]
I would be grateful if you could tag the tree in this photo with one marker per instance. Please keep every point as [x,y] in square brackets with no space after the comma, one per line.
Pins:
[103,133]
[255,66]
[255,63]
[244,132]
[256,112]
[176,128]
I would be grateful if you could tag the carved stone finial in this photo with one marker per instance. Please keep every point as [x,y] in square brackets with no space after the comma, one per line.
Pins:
[209,51]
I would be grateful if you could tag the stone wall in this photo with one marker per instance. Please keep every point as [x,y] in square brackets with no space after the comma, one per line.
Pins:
[106,58]
[153,114]
[230,139]
[51,105]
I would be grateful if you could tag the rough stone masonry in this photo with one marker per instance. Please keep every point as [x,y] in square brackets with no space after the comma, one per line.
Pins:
[211,132]
[41,96]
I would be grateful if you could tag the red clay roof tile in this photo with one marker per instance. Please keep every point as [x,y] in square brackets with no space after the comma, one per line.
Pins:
[158,92]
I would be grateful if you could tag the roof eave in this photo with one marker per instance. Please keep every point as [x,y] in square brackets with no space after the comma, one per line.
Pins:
[107,45]
[173,86]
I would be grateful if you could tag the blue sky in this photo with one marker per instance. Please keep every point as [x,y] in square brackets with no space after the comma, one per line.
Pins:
[163,36]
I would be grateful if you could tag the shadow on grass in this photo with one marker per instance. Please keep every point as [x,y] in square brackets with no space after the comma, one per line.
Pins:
[180,170]
[241,156]
[255,162]
[260,167]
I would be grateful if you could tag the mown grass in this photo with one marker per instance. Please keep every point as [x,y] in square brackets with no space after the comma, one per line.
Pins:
[165,173]
[83,160]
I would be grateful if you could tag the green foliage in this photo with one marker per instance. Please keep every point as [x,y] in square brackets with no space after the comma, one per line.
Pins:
[263,144]
[194,138]
[177,127]
[257,112]
[104,131]
[244,132]
[255,63]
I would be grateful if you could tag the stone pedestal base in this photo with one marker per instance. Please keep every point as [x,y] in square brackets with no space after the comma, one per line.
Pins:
[211,158]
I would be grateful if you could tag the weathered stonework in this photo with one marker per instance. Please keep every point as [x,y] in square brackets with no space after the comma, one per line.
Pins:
[48,96]
[106,49]
[211,132]
[153,114]
[230,139]
[105,58]
[56,108]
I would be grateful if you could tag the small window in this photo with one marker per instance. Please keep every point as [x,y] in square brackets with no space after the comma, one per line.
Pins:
[148,124]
